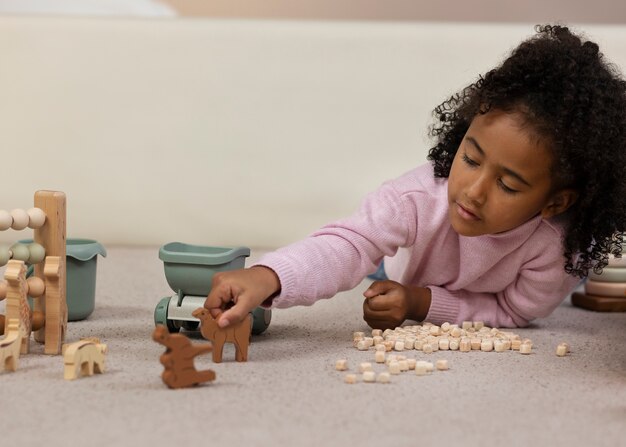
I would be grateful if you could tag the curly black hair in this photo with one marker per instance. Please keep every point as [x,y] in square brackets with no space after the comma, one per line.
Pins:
[571,98]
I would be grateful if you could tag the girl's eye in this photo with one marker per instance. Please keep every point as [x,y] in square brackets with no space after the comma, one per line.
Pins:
[505,188]
[469,161]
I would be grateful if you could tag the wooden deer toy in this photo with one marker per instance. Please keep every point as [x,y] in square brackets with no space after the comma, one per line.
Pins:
[180,371]
[238,334]
[10,345]
[85,356]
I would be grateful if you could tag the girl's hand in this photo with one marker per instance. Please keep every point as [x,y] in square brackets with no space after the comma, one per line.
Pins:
[388,304]
[245,289]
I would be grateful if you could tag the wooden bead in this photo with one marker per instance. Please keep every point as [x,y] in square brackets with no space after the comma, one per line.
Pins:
[399,346]
[478,325]
[36,286]
[38,320]
[20,252]
[20,219]
[5,255]
[562,349]
[36,218]
[466,325]
[377,333]
[5,220]
[444,344]
[36,253]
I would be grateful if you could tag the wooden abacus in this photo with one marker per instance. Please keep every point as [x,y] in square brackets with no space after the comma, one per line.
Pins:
[48,318]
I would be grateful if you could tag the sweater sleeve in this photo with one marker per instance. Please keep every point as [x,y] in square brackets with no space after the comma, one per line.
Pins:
[338,256]
[539,288]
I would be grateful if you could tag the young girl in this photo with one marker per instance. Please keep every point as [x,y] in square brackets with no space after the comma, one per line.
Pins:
[525,193]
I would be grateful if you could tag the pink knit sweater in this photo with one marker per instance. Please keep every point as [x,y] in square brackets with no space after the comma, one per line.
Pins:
[505,279]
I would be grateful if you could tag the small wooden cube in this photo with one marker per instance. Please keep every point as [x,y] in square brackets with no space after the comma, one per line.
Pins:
[383,377]
[478,325]
[486,345]
[525,348]
[350,378]
[465,345]
[365,366]
[394,367]
[562,349]
[377,332]
[399,346]
[442,364]
[411,363]
[466,325]
[499,346]
[404,365]
[444,344]
[341,365]
[369,376]
[379,356]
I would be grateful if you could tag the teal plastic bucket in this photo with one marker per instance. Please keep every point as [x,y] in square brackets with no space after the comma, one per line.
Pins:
[82,262]
[81,266]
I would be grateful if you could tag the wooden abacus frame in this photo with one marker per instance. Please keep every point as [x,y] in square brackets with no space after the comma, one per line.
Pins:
[52,304]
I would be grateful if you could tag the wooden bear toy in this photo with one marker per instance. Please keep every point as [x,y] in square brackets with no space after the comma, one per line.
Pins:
[238,334]
[180,371]
[84,357]
[10,346]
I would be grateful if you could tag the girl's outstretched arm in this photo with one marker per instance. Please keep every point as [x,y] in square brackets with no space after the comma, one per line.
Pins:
[245,289]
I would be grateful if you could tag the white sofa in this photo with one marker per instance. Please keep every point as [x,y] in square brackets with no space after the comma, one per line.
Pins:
[226,132]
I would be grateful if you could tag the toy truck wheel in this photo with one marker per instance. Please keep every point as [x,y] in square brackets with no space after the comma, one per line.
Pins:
[190,325]
[260,320]
[160,315]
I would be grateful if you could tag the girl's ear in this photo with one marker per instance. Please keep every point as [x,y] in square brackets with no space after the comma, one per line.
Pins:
[559,203]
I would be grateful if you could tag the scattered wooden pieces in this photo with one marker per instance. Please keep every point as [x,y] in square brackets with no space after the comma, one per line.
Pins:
[84,357]
[341,365]
[562,349]
[10,345]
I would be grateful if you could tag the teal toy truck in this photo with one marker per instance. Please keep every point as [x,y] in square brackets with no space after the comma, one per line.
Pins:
[189,271]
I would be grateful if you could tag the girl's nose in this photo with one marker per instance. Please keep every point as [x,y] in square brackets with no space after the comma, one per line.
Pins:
[476,192]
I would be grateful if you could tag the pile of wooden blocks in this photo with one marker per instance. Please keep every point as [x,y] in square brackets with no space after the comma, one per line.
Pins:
[389,347]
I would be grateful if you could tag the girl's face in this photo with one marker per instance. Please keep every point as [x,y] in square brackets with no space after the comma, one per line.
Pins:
[500,177]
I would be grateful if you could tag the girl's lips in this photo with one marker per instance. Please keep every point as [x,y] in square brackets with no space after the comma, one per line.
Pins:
[465,214]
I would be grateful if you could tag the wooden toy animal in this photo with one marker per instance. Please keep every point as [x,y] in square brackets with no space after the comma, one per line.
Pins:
[180,371]
[238,334]
[10,345]
[84,357]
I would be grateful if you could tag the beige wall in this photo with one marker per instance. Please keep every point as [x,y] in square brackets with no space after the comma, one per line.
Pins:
[533,11]
[226,132]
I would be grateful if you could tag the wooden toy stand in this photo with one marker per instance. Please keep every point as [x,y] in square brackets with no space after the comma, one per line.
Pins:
[48,318]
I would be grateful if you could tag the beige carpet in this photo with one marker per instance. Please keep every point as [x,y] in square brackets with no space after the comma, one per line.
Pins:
[289,393]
